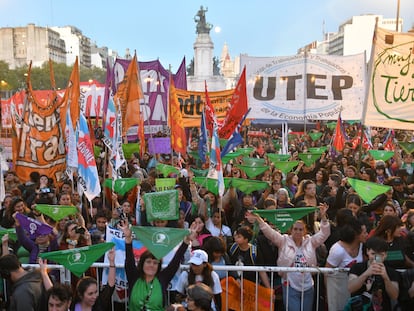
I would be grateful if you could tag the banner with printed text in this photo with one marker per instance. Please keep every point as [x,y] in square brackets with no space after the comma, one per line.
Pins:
[192,105]
[390,101]
[38,135]
[314,87]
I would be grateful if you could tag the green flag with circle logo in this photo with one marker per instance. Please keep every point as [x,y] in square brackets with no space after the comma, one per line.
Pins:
[159,240]
[319,150]
[122,185]
[367,190]
[78,260]
[309,158]
[253,171]
[284,218]
[229,156]
[315,135]
[162,205]
[166,169]
[253,161]
[407,146]
[248,185]
[285,166]
[245,151]
[274,157]
[57,212]
[381,154]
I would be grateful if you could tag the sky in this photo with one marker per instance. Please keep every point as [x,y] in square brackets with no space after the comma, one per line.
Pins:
[166,29]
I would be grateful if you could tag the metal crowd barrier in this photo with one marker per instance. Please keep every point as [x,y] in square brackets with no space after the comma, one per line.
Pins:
[65,277]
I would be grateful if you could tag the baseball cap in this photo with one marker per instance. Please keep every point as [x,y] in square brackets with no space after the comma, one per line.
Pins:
[198,257]
[396,181]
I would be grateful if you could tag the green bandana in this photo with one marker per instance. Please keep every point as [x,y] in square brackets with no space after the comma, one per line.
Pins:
[367,190]
[284,218]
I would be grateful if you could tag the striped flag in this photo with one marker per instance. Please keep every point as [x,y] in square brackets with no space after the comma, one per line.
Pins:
[88,179]
[216,166]
[203,138]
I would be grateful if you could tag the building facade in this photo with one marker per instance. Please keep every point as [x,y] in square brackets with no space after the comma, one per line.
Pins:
[20,45]
[77,45]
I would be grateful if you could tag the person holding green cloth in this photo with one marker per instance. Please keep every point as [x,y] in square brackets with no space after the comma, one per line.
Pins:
[147,282]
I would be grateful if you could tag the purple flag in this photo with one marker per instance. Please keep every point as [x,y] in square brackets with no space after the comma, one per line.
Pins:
[32,226]
[155,85]
[159,145]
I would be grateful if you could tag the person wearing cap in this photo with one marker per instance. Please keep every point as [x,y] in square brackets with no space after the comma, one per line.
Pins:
[400,191]
[199,297]
[201,271]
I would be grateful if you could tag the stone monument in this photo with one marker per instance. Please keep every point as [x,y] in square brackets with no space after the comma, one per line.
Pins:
[203,57]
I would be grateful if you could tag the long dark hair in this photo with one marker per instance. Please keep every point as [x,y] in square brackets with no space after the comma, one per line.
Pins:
[206,274]
[82,286]
[140,267]
[387,225]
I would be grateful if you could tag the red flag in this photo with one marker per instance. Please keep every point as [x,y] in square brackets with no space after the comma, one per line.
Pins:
[356,140]
[178,137]
[238,108]
[210,115]
[128,96]
[339,135]
[72,95]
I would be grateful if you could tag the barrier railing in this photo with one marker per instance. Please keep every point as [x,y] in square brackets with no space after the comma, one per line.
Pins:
[65,277]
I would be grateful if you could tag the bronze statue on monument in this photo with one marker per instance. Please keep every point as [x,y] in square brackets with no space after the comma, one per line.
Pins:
[200,19]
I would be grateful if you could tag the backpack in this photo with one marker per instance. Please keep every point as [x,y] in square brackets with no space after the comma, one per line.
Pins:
[235,247]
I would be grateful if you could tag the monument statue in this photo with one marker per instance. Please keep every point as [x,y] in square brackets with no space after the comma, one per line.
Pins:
[200,19]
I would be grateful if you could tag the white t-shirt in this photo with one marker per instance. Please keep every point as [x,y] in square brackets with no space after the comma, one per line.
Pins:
[182,283]
[225,230]
[338,257]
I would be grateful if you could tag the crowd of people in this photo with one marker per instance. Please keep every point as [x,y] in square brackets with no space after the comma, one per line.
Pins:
[374,240]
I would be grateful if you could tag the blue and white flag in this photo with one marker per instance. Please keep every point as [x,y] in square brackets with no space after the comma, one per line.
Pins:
[203,139]
[216,166]
[88,179]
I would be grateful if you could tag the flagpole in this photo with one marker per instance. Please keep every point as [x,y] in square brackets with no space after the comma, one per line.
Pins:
[361,142]
[169,114]
[304,91]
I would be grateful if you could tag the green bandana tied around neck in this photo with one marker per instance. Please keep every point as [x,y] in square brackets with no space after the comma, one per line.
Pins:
[140,293]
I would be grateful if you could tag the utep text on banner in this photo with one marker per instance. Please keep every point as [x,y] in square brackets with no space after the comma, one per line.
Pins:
[309,86]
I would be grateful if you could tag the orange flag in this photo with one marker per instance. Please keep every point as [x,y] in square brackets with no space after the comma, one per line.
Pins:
[178,137]
[72,94]
[128,95]
[234,294]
